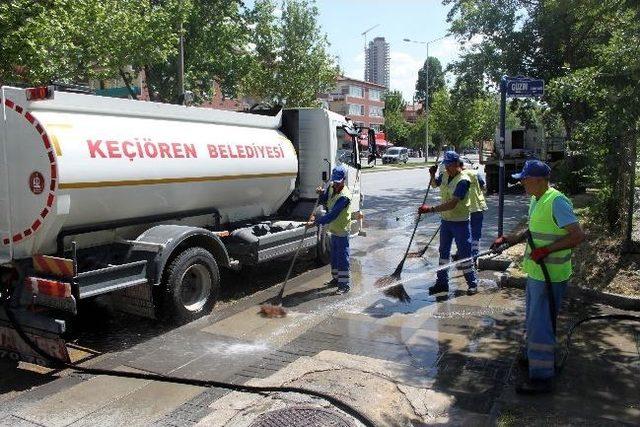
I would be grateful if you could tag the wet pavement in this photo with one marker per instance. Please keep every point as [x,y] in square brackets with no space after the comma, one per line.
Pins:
[434,360]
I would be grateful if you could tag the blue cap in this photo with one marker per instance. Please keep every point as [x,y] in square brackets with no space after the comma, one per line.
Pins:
[338,174]
[533,169]
[450,157]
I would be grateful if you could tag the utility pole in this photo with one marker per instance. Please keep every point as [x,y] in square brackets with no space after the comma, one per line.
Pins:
[426,101]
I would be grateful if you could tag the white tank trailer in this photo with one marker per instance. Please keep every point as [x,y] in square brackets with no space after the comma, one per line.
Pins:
[148,201]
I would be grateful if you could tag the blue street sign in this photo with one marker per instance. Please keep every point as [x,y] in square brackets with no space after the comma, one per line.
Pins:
[524,87]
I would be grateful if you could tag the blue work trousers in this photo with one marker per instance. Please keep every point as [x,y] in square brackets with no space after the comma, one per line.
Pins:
[476,231]
[461,233]
[541,340]
[340,260]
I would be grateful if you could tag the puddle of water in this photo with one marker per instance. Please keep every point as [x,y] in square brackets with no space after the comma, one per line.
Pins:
[240,348]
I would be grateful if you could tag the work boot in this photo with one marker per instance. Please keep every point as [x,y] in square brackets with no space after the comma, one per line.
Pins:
[438,288]
[535,386]
[455,257]
[472,290]
[332,282]
[341,290]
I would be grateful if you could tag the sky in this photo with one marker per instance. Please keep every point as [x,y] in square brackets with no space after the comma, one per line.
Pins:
[422,20]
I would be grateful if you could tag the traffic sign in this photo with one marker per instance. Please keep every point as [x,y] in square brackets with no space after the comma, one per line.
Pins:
[524,86]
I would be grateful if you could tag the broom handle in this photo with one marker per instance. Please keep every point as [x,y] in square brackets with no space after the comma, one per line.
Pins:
[295,255]
[424,200]
[424,250]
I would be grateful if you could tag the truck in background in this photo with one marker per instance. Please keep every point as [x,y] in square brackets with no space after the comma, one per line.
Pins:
[520,145]
[147,202]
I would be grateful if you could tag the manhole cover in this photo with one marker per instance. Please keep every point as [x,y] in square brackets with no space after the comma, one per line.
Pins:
[301,416]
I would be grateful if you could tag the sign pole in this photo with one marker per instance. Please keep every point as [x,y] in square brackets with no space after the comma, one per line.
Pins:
[503,113]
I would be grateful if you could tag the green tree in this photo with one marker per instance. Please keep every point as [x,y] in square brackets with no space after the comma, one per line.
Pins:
[290,63]
[586,50]
[78,40]
[396,128]
[394,102]
[436,79]
[216,39]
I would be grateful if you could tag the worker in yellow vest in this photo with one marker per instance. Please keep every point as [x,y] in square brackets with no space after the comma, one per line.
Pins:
[337,197]
[555,230]
[477,206]
[454,192]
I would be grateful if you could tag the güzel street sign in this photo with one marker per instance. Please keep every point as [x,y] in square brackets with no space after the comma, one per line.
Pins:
[524,87]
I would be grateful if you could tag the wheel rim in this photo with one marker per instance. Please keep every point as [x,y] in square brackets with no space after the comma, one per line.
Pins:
[195,287]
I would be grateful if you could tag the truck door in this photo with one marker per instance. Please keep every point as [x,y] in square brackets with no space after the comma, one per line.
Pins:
[348,155]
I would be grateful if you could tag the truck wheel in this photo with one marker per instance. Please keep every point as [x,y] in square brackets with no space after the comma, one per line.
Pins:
[192,284]
[323,249]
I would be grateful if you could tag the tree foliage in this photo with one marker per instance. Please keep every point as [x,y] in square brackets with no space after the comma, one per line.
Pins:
[587,51]
[290,62]
[436,79]
[215,36]
[78,40]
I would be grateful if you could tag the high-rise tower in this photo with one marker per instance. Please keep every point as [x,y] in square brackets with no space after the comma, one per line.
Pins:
[376,62]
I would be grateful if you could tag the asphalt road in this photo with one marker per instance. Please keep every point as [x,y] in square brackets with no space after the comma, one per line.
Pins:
[132,343]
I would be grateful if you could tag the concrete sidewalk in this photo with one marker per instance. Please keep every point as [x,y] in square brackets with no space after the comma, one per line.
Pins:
[446,361]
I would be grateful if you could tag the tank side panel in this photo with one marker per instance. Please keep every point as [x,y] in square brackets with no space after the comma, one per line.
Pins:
[109,168]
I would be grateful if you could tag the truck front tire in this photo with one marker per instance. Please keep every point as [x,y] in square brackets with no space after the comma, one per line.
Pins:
[192,284]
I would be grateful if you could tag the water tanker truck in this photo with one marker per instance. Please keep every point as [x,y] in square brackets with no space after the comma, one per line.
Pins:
[147,202]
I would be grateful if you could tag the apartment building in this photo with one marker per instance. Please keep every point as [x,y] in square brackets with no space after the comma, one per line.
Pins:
[362,102]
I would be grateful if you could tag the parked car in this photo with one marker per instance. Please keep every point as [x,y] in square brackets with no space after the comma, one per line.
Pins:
[396,155]
[468,164]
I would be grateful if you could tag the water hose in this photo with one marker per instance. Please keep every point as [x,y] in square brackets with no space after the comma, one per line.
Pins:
[184,381]
[398,271]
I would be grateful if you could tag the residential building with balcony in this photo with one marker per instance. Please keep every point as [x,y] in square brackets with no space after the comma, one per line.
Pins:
[361,101]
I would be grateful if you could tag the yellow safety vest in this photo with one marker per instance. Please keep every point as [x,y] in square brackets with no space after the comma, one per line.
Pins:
[447,188]
[477,202]
[341,226]
[545,231]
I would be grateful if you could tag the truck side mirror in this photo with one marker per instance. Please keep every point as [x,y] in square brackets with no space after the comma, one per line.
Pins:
[325,176]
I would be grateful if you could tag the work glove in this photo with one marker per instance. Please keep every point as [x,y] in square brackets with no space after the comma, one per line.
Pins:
[433,169]
[499,243]
[424,209]
[320,190]
[539,254]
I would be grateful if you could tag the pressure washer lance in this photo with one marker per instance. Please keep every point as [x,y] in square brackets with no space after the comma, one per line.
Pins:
[492,252]
[275,309]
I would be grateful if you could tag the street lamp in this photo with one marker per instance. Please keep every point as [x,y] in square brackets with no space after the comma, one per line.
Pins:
[426,101]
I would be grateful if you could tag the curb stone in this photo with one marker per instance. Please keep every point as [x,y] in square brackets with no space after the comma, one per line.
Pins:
[622,302]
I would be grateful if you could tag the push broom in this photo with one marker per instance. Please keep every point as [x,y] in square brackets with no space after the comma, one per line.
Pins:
[387,280]
[275,309]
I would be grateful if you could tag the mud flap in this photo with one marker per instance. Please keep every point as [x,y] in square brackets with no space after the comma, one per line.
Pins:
[43,331]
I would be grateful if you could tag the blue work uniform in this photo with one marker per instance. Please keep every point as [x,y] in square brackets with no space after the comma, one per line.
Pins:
[338,219]
[476,220]
[540,337]
[459,230]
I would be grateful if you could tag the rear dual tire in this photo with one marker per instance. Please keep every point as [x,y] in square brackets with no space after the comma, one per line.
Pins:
[192,285]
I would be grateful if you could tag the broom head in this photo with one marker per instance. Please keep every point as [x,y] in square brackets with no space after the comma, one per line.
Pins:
[399,293]
[272,311]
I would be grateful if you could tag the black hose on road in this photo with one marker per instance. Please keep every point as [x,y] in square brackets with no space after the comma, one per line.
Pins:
[185,381]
